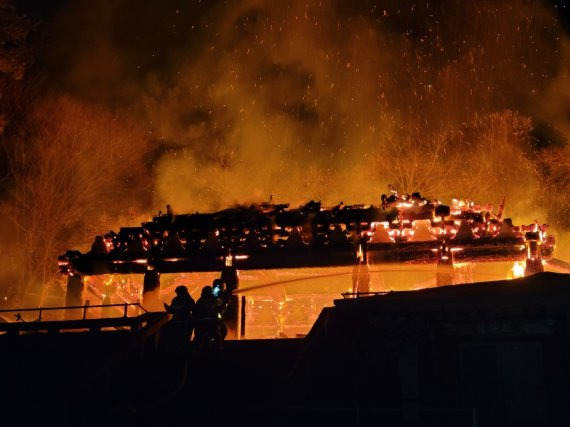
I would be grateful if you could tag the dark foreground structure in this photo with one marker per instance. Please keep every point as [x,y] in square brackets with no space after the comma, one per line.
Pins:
[487,354]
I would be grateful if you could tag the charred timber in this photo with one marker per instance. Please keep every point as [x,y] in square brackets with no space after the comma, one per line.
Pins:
[269,236]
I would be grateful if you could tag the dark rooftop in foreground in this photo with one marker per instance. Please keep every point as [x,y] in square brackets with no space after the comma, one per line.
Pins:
[487,354]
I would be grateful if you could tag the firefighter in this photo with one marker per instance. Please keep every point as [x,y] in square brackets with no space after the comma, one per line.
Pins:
[224,297]
[208,320]
[181,309]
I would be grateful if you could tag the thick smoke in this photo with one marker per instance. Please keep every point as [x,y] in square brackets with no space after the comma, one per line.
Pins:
[316,99]
[331,100]
[327,100]
[321,100]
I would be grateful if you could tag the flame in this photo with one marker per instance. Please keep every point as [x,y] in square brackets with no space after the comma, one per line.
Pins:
[360,254]
[518,269]
[228,262]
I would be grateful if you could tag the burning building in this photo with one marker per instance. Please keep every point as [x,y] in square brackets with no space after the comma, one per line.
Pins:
[319,251]
[218,102]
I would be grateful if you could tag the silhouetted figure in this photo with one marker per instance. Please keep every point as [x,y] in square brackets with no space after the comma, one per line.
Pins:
[208,321]
[224,295]
[181,309]
[219,291]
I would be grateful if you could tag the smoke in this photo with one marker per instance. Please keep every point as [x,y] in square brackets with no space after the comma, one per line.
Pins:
[328,100]
[312,100]
[277,104]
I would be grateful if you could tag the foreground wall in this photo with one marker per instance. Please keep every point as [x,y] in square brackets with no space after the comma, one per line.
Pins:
[491,354]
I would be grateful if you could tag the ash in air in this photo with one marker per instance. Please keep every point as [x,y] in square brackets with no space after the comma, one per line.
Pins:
[207,104]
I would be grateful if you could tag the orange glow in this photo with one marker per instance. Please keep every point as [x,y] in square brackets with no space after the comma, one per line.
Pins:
[518,269]
[329,107]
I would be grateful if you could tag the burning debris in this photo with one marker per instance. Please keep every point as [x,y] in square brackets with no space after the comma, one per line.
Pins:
[406,228]
[220,101]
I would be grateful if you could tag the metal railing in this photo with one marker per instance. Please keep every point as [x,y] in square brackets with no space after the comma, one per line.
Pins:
[136,323]
[84,307]
[347,295]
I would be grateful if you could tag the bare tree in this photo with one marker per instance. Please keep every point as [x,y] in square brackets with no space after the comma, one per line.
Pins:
[482,160]
[415,161]
[496,158]
[80,165]
[15,57]
[556,194]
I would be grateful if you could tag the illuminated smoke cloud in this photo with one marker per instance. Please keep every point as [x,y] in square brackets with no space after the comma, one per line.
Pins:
[328,100]
[232,102]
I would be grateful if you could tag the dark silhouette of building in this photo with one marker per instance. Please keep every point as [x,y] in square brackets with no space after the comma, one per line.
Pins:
[486,355]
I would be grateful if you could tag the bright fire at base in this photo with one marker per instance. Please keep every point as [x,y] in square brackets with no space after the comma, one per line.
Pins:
[518,269]
[287,302]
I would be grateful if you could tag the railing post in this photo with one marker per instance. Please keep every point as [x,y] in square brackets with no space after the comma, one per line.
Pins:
[242,318]
[85,309]
[125,313]
[40,315]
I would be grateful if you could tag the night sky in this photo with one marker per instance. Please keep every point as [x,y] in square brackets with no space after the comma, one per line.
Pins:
[157,34]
